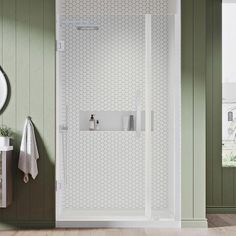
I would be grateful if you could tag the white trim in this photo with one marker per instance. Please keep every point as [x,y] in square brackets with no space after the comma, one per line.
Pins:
[177,113]
[174,80]
[194,223]
[119,224]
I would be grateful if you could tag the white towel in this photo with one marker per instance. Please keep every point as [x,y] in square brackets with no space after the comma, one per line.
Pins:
[28,152]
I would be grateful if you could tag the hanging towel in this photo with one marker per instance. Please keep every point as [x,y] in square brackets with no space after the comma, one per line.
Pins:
[28,152]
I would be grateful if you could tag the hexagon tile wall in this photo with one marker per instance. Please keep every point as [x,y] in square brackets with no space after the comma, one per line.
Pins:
[102,70]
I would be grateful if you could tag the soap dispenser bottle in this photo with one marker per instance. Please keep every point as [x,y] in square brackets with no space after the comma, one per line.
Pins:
[97,125]
[92,123]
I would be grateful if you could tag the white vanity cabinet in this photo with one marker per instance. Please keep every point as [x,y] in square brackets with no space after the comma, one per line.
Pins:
[6,176]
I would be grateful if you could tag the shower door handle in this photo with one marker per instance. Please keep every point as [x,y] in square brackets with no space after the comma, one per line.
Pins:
[138,114]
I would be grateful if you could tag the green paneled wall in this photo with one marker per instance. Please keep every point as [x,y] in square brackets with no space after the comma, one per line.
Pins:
[221,182]
[27,54]
[193,112]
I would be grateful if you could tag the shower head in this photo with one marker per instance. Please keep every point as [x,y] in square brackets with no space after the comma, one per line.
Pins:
[87,27]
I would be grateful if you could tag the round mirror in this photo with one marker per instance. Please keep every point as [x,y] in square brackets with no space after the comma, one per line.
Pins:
[3,89]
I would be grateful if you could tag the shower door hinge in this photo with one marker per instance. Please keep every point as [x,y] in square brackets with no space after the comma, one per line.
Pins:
[60,45]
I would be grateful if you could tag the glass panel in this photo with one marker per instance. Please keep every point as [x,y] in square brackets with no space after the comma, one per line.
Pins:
[115,67]
[164,86]
[102,72]
[228,84]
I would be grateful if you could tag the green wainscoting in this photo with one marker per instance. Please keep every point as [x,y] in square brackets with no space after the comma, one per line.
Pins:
[221,182]
[193,113]
[27,54]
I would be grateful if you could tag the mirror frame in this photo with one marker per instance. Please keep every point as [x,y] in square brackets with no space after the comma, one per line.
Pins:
[3,81]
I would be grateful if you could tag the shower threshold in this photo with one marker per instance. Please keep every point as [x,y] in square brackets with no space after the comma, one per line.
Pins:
[114,218]
[102,214]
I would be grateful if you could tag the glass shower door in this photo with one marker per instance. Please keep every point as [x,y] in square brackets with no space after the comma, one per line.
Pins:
[123,70]
[105,70]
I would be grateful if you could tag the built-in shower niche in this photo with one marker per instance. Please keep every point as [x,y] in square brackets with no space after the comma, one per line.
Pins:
[112,120]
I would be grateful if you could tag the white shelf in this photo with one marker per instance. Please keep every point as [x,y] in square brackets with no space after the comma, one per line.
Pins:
[110,120]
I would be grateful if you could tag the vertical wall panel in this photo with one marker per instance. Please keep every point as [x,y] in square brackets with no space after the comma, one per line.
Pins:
[216,105]
[49,106]
[193,112]
[199,108]
[22,96]
[27,54]
[209,101]
[37,102]
[227,186]
[187,113]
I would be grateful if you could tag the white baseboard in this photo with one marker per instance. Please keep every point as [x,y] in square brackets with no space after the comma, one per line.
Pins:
[194,223]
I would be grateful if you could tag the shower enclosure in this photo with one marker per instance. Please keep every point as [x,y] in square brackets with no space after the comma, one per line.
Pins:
[120,65]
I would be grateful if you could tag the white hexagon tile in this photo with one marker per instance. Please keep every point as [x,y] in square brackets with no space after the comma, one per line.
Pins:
[101,71]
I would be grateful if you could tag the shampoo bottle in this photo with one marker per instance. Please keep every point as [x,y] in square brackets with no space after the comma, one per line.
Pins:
[92,123]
